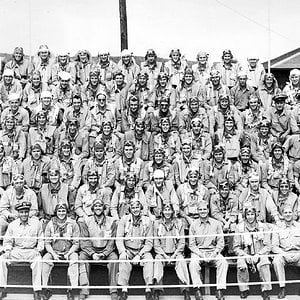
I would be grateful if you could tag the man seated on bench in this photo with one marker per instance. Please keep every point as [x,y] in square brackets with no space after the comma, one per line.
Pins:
[23,248]
[61,249]
[102,228]
[286,243]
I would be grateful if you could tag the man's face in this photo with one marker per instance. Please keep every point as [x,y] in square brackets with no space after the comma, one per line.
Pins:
[252,62]
[163,81]
[24,215]
[54,177]
[224,103]
[76,104]
[72,127]
[46,101]
[193,179]
[98,209]
[151,58]
[203,212]
[10,124]
[194,106]
[224,191]
[128,152]
[187,149]
[93,180]
[229,124]
[188,78]
[215,80]
[279,105]
[284,188]
[242,81]
[142,80]
[264,130]
[130,182]
[227,58]
[218,156]
[119,79]
[202,59]
[295,79]
[164,106]
[19,184]
[83,57]
[66,150]
[107,130]
[278,153]
[269,81]
[196,128]
[63,59]
[61,213]
[135,209]
[103,57]
[254,184]
[36,80]
[18,55]
[126,59]
[253,103]
[44,55]
[64,83]
[99,153]
[159,181]
[158,158]
[288,214]
[8,79]
[250,216]
[139,128]
[36,153]
[94,80]
[133,106]
[175,56]
[101,100]
[14,104]
[165,127]
[245,157]
[167,212]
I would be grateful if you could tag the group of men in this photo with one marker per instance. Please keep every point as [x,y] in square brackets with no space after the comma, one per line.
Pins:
[156,164]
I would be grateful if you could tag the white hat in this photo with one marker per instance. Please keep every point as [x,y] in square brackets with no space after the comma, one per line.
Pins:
[43,48]
[242,74]
[13,96]
[64,75]
[126,52]
[8,72]
[46,94]
[295,72]
[253,56]
[63,53]
[253,176]
[158,173]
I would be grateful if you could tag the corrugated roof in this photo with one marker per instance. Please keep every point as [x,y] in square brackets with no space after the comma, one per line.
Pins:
[289,60]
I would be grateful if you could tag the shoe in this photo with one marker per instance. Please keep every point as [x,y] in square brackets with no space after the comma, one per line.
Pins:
[186,295]
[265,295]
[219,295]
[114,296]
[198,295]
[46,294]
[156,295]
[82,297]
[244,294]
[281,294]
[123,296]
[37,295]
[70,295]
[148,296]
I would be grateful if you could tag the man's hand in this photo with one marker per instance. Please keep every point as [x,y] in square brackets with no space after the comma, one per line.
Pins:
[55,256]
[136,259]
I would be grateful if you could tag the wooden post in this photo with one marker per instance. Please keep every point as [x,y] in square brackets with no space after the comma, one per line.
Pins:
[123,24]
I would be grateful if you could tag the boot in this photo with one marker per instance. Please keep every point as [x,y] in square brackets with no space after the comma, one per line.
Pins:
[265,295]
[124,296]
[156,295]
[148,296]
[37,295]
[219,295]
[244,294]
[186,295]
[114,296]
[281,294]
[46,294]
[70,295]
[198,295]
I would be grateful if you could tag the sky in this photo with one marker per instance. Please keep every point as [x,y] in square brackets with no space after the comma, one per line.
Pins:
[190,25]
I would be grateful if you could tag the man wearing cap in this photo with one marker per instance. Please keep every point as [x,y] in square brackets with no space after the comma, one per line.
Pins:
[105,66]
[124,194]
[152,67]
[241,92]
[8,85]
[13,195]
[128,162]
[283,122]
[160,192]
[21,114]
[128,66]
[23,248]
[43,62]
[214,88]
[207,248]
[104,166]
[136,248]
[83,66]
[292,87]
[64,91]
[286,246]
[184,161]
[95,226]
[169,248]
[201,68]
[252,244]
[87,193]
[158,162]
[61,226]
[190,193]
[260,198]
[255,71]
[63,64]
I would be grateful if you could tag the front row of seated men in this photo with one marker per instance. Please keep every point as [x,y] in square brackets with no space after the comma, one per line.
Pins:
[136,240]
